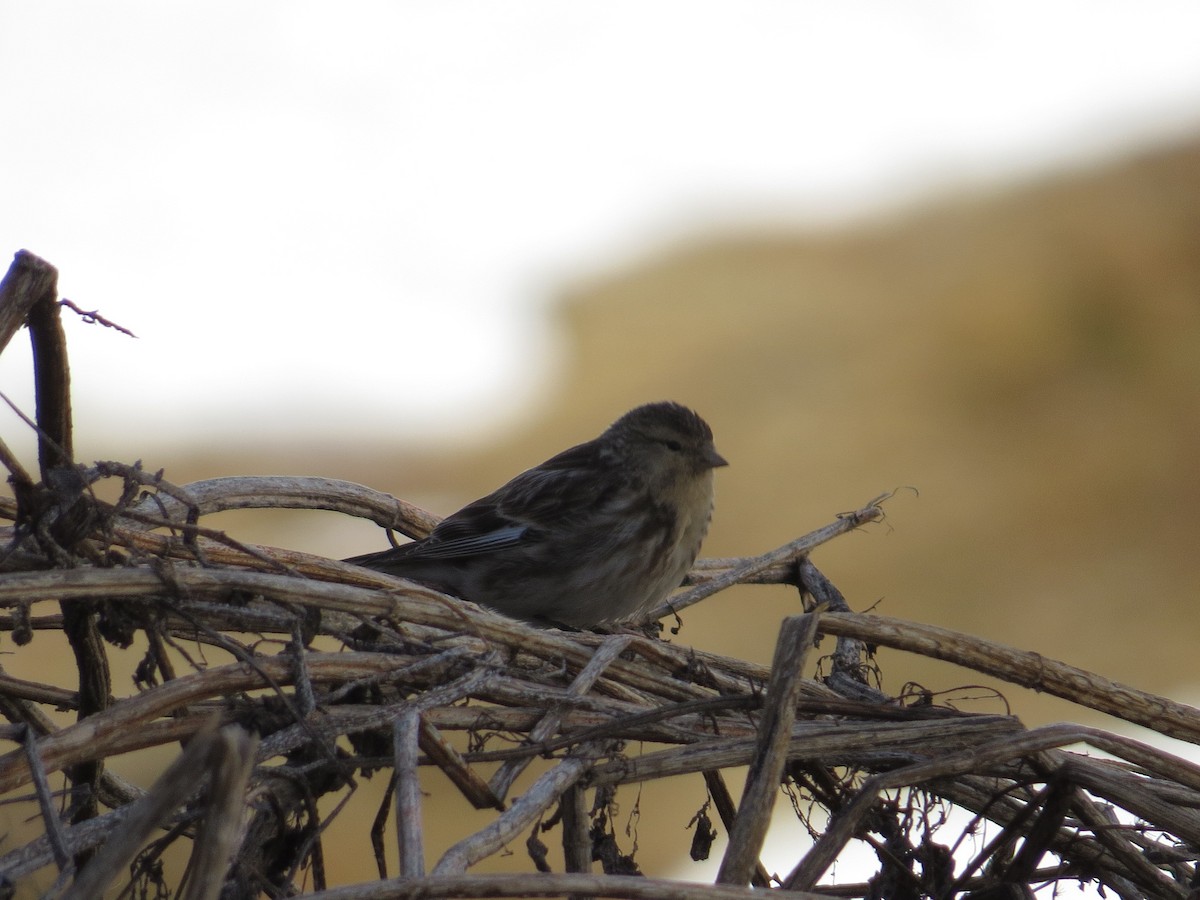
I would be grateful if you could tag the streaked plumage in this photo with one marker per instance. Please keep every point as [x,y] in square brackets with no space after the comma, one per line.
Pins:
[600,533]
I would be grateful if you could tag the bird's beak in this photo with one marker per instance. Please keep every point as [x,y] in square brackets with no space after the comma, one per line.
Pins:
[714,459]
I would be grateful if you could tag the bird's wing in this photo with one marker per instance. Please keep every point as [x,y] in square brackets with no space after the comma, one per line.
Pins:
[471,531]
[468,532]
[543,498]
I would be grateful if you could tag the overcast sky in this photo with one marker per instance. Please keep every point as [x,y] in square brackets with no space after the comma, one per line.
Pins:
[327,214]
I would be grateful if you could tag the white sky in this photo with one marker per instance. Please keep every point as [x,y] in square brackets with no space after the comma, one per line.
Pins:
[323,215]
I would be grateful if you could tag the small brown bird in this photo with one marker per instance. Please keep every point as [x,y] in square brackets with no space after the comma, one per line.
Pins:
[600,533]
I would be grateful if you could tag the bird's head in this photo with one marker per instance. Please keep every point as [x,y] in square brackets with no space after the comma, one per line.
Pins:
[667,441]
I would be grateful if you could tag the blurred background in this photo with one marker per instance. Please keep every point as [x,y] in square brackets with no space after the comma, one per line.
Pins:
[424,246]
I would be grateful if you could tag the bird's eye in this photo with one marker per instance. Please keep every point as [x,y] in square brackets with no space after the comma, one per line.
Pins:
[674,445]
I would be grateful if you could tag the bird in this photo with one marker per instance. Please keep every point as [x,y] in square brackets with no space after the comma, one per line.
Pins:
[597,535]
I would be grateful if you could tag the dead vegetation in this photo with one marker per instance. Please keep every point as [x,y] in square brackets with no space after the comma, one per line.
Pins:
[283,678]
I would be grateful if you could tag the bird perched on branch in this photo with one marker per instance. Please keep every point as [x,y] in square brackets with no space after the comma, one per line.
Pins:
[600,533]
